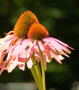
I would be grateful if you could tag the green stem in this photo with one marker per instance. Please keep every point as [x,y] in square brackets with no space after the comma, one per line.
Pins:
[36,66]
[43,68]
[35,76]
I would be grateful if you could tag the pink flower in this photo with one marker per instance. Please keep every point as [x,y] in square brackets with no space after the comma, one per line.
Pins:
[6,47]
[17,40]
[18,49]
[51,47]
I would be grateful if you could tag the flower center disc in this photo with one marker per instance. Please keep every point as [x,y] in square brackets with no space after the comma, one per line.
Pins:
[37,31]
[23,24]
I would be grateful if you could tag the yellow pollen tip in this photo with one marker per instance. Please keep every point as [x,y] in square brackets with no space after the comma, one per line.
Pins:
[37,31]
[24,23]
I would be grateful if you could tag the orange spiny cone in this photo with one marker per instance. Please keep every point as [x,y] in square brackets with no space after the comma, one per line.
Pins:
[24,23]
[37,31]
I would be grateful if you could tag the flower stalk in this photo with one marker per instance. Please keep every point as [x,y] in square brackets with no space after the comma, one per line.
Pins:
[35,76]
[43,68]
[38,73]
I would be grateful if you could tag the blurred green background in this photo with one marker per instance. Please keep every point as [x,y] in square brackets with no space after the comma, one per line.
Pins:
[61,18]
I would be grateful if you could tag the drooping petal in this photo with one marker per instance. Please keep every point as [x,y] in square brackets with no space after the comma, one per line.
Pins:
[2,67]
[6,38]
[21,66]
[31,46]
[13,64]
[61,57]
[29,64]
[55,45]
[21,47]
[23,54]
[56,58]
[5,46]
[63,43]
[48,54]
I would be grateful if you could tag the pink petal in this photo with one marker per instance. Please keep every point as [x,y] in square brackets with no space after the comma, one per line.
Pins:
[22,66]
[36,51]
[7,38]
[23,54]
[56,57]
[9,57]
[29,64]
[31,46]
[48,54]
[60,42]
[66,49]
[21,47]
[63,43]
[2,67]
[37,58]
[55,45]
[13,64]
[61,57]
[11,46]
[1,57]
[5,46]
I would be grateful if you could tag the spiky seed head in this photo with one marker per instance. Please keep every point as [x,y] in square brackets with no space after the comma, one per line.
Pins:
[24,23]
